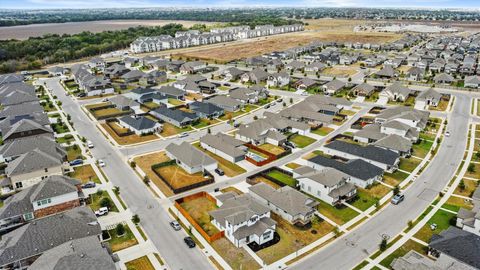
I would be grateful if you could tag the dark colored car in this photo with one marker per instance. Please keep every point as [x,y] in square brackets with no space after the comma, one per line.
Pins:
[82,95]
[189,241]
[76,162]
[89,185]
[219,171]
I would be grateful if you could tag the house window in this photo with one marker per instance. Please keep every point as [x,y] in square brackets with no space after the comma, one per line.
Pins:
[28,216]
[318,192]
[18,185]
[46,169]
[43,202]
[266,235]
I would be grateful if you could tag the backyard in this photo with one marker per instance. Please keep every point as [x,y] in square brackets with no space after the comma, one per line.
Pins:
[273,149]
[107,113]
[129,139]
[230,169]
[177,177]
[301,141]
[170,130]
[198,209]
[282,177]
[145,163]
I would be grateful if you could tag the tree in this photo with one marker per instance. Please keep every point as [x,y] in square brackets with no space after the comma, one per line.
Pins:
[209,130]
[291,100]
[146,180]
[135,219]
[255,117]
[120,229]
[383,244]
[106,202]
[461,185]
[471,168]
[133,164]
[116,190]
[396,190]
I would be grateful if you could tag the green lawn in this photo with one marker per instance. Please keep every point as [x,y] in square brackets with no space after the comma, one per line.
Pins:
[395,178]
[323,131]
[59,128]
[409,164]
[364,200]
[74,152]
[204,123]
[119,242]
[284,178]
[421,149]
[175,102]
[95,201]
[441,218]
[401,251]
[427,136]
[338,215]
[301,141]
[65,139]
[455,203]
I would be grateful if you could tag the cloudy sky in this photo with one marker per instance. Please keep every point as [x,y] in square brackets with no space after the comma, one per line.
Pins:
[33,4]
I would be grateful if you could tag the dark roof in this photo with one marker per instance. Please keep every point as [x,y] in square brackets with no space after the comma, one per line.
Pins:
[459,244]
[138,123]
[205,108]
[171,91]
[45,233]
[11,78]
[357,168]
[368,152]
[177,115]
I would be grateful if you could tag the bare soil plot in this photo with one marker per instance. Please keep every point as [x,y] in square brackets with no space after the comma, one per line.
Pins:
[145,163]
[340,71]
[237,258]
[177,177]
[142,263]
[274,149]
[130,139]
[170,130]
[198,209]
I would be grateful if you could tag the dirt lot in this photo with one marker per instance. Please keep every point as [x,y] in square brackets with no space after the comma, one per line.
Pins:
[321,30]
[237,258]
[130,139]
[146,161]
[340,71]
[198,209]
[178,177]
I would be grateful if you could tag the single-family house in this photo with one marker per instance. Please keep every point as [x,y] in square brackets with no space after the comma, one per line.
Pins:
[224,146]
[278,79]
[206,110]
[333,87]
[472,81]
[396,92]
[227,103]
[141,125]
[363,90]
[443,78]
[428,98]
[177,118]
[190,158]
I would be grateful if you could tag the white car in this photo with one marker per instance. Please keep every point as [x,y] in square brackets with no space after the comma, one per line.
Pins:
[183,134]
[90,144]
[101,212]
[101,163]
[447,134]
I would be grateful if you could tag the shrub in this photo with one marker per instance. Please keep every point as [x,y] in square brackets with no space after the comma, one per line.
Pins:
[383,245]
[133,164]
[120,229]
[136,219]
[106,202]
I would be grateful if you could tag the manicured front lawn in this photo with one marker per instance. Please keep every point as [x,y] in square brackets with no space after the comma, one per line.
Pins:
[119,242]
[96,199]
[237,258]
[59,128]
[470,186]
[198,209]
[284,178]
[475,173]
[455,203]
[293,238]
[231,115]
[142,263]
[175,102]
[85,174]
[364,200]
[205,123]
[65,139]
[441,218]
[409,164]
[338,215]
[395,178]
[427,136]
[301,141]
[404,249]
[74,152]
[293,165]
[421,149]
[323,131]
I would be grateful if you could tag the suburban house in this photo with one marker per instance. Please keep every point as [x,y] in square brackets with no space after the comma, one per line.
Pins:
[455,249]
[329,185]
[363,90]
[12,149]
[260,132]
[395,143]
[287,202]
[427,98]
[227,103]
[333,87]
[232,74]
[255,76]
[190,158]
[72,254]
[469,220]
[395,92]
[362,173]
[153,77]
[177,118]
[132,76]
[415,73]
[243,219]
[413,260]
[278,79]
[315,67]
[224,146]
[57,71]
[192,67]
[53,195]
[385,159]
[92,85]
[23,245]
[30,168]
[172,92]
[403,121]
[305,84]
[247,95]
[115,71]
[386,72]
[25,128]
[124,103]
[206,110]
[295,65]
[443,78]
[97,63]
[141,125]
[472,81]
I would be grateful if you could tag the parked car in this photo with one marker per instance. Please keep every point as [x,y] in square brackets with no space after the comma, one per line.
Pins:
[89,185]
[398,198]
[219,171]
[267,106]
[101,163]
[226,84]
[90,144]
[447,134]
[175,225]
[290,144]
[105,100]
[101,212]
[82,95]
[236,125]
[189,241]
[183,134]
[76,162]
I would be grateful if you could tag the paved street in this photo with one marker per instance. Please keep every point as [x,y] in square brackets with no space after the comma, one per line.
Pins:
[353,248]
[135,194]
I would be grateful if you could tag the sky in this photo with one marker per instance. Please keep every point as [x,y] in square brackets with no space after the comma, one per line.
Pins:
[46,4]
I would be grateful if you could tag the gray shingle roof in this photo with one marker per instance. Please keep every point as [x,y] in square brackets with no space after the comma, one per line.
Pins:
[177,115]
[238,209]
[395,142]
[84,253]
[357,168]
[189,155]
[224,143]
[17,147]
[205,108]
[139,123]
[369,152]
[38,236]
[30,162]
[25,126]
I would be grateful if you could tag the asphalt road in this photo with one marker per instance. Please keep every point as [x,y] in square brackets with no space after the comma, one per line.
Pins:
[136,195]
[353,248]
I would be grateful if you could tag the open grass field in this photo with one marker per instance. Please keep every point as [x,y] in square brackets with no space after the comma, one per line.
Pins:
[198,209]
[119,242]
[237,258]
[293,238]
[145,163]
[323,30]
[142,263]
[177,177]
[130,139]
[85,174]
